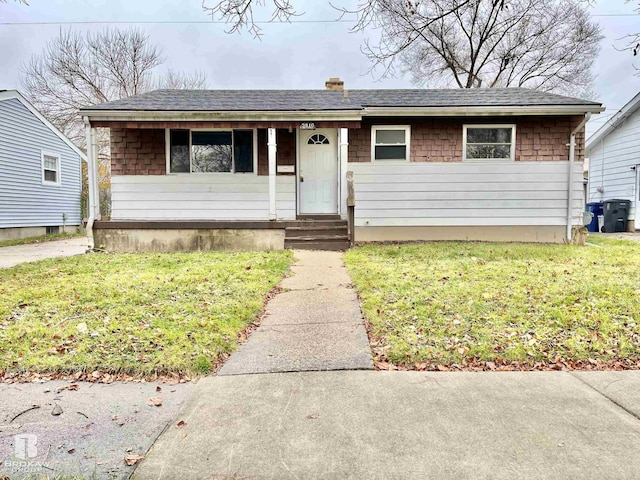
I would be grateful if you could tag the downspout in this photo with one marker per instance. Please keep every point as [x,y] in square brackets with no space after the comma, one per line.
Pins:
[90,184]
[572,158]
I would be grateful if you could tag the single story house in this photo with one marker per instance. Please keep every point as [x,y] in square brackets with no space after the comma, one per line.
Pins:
[269,168]
[40,173]
[614,160]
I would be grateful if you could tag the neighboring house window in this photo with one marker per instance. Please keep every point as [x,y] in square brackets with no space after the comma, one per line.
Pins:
[215,151]
[489,142]
[50,169]
[390,143]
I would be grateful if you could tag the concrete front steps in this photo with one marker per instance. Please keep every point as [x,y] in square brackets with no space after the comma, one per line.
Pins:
[321,232]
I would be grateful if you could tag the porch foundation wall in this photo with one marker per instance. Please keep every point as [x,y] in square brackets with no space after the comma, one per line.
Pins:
[523,234]
[188,240]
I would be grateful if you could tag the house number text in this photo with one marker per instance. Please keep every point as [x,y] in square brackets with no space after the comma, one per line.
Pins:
[307,126]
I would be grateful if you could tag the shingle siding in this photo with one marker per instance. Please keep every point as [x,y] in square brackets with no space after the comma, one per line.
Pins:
[24,200]
[440,139]
[138,151]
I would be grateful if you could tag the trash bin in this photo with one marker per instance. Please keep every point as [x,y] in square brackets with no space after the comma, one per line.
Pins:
[596,209]
[616,212]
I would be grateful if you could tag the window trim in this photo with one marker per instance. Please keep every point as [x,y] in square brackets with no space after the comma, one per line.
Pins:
[512,150]
[407,140]
[167,139]
[58,158]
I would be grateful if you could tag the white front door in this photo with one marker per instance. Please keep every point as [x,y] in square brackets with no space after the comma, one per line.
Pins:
[318,177]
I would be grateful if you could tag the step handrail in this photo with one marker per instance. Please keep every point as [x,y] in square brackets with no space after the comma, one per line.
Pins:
[351,208]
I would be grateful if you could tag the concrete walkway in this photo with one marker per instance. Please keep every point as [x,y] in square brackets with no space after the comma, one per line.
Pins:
[405,425]
[315,324]
[32,252]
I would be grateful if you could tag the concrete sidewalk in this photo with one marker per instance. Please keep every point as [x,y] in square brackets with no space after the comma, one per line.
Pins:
[32,252]
[97,427]
[406,425]
[315,324]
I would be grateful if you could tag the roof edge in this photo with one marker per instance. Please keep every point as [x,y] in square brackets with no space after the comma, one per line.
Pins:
[223,115]
[15,94]
[614,122]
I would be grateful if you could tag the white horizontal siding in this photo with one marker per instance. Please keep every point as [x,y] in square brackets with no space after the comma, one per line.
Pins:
[463,194]
[611,161]
[24,201]
[200,197]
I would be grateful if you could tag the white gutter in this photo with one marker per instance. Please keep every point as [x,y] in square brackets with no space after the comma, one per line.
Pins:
[350,115]
[91,166]
[492,110]
[572,157]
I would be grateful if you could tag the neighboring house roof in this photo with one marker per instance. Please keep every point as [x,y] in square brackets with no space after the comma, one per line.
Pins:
[333,100]
[614,122]
[14,94]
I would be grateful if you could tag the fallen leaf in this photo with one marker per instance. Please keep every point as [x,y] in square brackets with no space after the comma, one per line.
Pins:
[181,424]
[82,328]
[154,401]
[158,388]
[131,460]
[72,450]
[313,416]
[57,410]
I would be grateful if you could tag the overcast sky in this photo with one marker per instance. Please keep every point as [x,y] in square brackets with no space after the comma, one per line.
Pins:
[297,55]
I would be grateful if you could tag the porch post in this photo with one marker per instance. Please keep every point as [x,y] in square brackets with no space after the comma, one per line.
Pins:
[272,148]
[343,155]
[96,174]
[92,179]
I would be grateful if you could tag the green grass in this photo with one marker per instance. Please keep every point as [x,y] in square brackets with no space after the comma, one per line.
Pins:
[609,241]
[132,313]
[468,303]
[40,239]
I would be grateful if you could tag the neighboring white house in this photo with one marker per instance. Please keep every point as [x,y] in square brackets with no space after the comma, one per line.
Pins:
[614,158]
[40,172]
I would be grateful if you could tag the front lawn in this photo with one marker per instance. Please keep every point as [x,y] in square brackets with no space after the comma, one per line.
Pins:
[492,306]
[132,313]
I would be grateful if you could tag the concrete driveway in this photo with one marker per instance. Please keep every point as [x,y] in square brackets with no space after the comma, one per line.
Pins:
[32,252]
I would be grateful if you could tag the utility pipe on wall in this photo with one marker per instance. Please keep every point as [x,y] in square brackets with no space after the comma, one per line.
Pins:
[572,158]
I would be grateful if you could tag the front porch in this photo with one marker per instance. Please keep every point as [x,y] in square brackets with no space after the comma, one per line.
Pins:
[224,186]
[320,233]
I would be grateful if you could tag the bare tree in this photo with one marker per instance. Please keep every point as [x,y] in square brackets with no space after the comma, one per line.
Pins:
[631,42]
[182,80]
[550,45]
[543,44]
[239,13]
[76,70]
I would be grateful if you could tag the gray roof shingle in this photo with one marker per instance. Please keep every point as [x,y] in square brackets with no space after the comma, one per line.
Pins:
[322,100]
